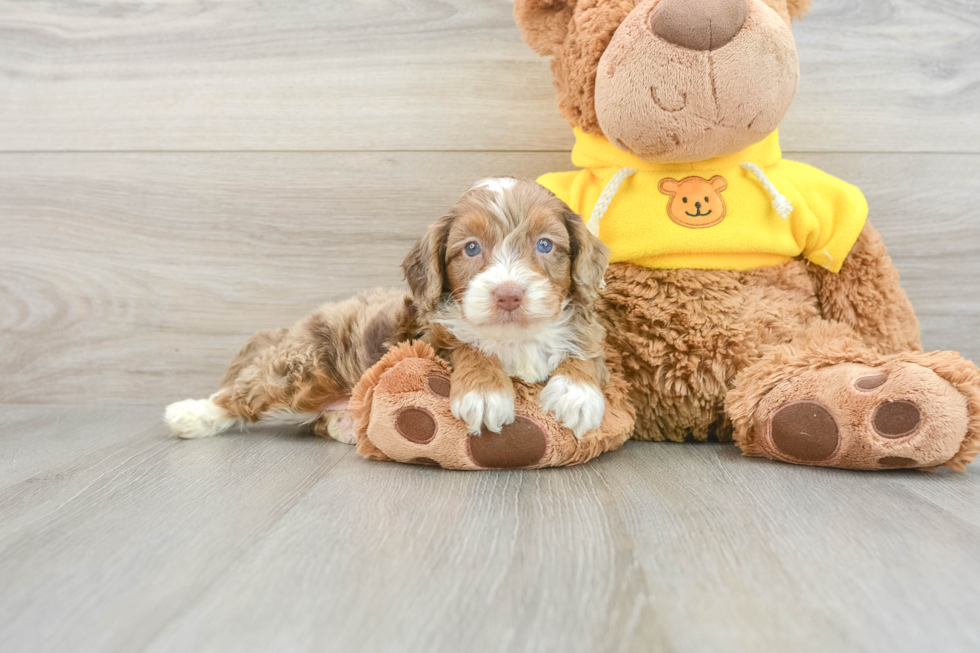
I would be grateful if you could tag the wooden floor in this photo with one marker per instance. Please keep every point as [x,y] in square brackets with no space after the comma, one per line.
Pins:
[176,175]
[115,536]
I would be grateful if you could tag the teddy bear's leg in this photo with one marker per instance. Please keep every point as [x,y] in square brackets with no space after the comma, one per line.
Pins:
[828,399]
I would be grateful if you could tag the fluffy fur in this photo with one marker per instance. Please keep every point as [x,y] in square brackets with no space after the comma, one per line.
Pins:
[304,375]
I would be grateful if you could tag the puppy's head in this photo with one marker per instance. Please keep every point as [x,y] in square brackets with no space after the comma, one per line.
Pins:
[509,255]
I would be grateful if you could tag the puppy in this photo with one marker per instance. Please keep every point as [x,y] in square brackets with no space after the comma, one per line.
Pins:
[504,285]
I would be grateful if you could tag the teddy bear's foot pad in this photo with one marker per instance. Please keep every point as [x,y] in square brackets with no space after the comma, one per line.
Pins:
[805,431]
[521,444]
[418,400]
[853,416]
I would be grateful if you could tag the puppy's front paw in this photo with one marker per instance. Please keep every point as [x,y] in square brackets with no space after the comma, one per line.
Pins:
[578,405]
[477,408]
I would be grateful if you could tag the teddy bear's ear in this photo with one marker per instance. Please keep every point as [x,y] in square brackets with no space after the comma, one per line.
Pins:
[797,8]
[719,183]
[544,23]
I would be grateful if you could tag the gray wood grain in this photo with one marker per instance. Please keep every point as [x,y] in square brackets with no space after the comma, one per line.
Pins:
[101,552]
[270,541]
[877,75]
[135,278]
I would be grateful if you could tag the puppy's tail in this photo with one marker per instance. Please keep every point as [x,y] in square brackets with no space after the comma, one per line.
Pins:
[198,418]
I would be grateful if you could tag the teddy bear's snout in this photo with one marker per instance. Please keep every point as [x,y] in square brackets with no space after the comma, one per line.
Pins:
[698,24]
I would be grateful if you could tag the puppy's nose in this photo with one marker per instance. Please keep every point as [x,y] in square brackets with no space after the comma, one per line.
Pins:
[698,24]
[508,297]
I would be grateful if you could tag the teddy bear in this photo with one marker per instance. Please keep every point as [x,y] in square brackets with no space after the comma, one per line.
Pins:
[748,297]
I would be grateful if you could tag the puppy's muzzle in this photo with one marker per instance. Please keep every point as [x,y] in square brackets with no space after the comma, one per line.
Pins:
[508,297]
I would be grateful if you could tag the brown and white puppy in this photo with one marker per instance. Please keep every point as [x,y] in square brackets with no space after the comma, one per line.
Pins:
[503,285]
[507,283]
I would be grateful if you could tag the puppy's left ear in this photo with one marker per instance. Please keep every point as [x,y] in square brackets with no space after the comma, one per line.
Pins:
[424,267]
[590,258]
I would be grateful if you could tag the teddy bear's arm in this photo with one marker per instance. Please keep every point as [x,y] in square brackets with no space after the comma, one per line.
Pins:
[866,295]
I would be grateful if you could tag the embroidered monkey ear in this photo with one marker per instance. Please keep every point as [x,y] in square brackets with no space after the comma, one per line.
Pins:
[544,23]
[668,186]
[719,183]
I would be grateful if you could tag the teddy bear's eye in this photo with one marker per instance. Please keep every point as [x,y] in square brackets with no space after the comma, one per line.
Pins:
[705,199]
[685,200]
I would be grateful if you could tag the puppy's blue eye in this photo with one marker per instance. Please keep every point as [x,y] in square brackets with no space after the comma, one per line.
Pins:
[472,249]
[545,246]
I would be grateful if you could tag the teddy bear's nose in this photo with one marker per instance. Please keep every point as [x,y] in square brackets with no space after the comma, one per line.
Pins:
[698,24]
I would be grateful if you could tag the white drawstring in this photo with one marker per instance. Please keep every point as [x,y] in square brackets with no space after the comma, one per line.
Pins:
[780,203]
[606,198]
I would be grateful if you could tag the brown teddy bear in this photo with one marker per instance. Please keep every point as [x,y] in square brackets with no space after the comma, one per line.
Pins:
[749,297]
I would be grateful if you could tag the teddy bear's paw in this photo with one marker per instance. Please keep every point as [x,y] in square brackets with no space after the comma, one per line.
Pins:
[414,398]
[898,415]
[450,442]
[578,406]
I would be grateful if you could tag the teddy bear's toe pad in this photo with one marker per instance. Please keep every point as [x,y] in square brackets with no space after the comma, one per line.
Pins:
[438,385]
[897,462]
[416,424]
[854,416]
[896,419]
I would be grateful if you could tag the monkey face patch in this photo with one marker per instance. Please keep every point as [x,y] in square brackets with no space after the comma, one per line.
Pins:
[695,202]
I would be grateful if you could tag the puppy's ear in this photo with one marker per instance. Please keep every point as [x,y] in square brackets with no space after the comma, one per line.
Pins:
[590,258]
[544,23]
[425,268]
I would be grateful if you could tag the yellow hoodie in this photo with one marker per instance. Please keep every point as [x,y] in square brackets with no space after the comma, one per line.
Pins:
[737,212]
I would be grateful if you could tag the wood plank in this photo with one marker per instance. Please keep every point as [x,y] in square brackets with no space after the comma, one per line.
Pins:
[135,278]
[101,552]
[276,542]
[783,558]
[896,75]
[35,438]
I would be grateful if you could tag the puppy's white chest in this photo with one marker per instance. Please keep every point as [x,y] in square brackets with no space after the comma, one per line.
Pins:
[530,362]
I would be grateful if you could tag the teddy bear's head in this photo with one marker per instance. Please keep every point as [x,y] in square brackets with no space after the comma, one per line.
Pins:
[669,80]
